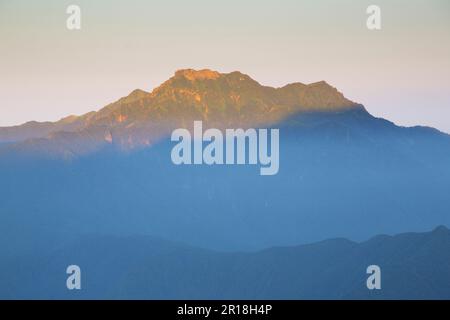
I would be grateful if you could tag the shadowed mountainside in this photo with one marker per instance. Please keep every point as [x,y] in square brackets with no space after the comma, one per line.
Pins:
[343,172]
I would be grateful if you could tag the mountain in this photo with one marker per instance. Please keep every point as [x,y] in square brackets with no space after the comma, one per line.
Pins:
[343,172]
[142,118]
[413,266]
[34,129]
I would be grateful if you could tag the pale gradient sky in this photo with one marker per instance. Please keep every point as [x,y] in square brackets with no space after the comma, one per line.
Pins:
[401,72]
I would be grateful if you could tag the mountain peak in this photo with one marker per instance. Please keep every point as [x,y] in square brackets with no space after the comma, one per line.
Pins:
[138,93]
[321,83]
[135,95]
[222,100]
[192,74]
[441,230]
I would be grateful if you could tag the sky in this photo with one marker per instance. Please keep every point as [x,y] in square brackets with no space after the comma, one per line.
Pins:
[401,72]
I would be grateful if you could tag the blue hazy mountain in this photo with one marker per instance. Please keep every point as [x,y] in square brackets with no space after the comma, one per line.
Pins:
[343,172]
[100,190]
[413,266]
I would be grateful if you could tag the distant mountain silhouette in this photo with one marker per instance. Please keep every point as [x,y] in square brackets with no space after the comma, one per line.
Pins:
[413,266]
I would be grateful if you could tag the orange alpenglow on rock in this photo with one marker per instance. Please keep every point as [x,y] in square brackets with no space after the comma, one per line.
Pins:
[220,100]
[192,74]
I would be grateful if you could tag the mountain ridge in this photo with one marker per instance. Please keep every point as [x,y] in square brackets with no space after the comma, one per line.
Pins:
[141,118]
[413,265]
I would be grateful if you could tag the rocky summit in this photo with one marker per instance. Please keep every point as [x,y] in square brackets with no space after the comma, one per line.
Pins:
[220,100]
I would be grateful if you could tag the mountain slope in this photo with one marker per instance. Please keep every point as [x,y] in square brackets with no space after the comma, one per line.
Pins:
[336,179]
